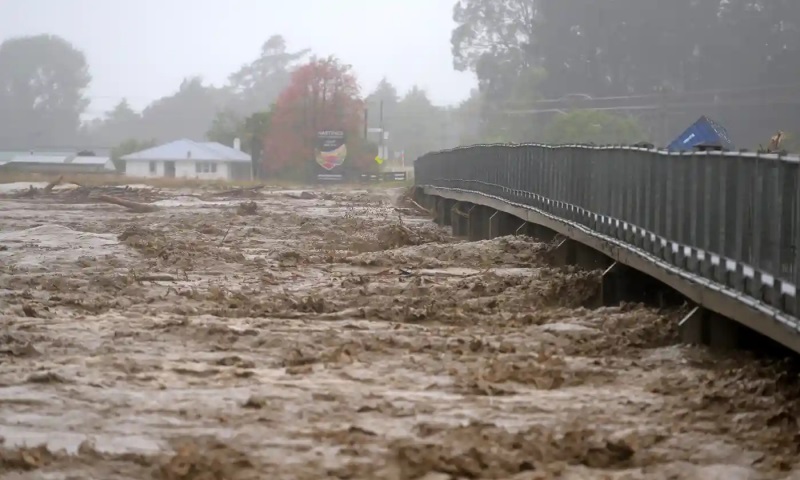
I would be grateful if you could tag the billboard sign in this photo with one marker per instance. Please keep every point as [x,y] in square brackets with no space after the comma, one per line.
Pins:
[331,150]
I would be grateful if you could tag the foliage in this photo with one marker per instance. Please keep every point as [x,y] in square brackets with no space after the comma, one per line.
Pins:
[117,126]
[197,110]
[228,126]
[185,114]
[322,95]
[420,126]
[494,38]
[42,84]
[127,147]
[624,48]
[258,83]
[618,47]
[387,93]
[593,127]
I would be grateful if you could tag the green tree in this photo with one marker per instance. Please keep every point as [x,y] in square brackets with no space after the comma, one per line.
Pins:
[119,124]
[127,147]
[418,126]
[226,126]
[387,93]
[42,83]
[494,39]
[593,127]
[257,84]
[187,113]
[251,131]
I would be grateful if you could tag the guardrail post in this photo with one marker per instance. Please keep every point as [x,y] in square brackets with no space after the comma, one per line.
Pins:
[796,240]
[737,278]
[754,284]
[775,293]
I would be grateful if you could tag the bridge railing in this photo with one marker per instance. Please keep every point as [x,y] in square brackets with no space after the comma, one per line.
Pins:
[731,218]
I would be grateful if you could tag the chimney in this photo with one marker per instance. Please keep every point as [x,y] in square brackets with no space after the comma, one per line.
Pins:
[237,144]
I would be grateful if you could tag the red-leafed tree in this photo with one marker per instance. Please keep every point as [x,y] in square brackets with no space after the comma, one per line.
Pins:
[322,95]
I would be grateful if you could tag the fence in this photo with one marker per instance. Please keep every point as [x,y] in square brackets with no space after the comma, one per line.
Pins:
[732,218]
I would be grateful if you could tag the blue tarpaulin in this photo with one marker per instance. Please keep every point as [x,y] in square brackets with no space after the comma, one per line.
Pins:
[704,132]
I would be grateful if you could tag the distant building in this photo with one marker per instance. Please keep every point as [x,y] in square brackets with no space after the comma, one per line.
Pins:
[56,163]
[190,159]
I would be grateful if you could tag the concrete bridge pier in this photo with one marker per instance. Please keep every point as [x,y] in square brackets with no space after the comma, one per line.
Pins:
[621,283]
[502,224]
[426,201]
[704,327]
[538,232]
[459,219]
[570,252]
[479,223]
[444,210]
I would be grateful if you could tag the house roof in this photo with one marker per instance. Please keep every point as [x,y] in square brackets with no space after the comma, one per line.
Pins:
[6,155]
[226,150]
[34,158]
[190,150]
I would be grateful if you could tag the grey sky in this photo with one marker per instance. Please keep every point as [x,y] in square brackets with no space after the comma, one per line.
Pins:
[142,49]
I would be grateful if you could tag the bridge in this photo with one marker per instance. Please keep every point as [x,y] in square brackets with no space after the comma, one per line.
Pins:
[717,229]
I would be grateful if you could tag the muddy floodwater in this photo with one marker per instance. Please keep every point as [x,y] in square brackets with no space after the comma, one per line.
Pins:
[341,334]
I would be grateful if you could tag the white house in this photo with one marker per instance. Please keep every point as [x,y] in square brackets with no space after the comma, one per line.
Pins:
[190,159]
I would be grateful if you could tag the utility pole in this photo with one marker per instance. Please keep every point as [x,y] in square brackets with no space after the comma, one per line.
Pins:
[366,122]
[381,153]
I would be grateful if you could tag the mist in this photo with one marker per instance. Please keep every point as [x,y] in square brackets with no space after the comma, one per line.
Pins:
[432,73]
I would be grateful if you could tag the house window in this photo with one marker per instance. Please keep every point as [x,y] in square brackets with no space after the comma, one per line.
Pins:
[152,167]
[205,167]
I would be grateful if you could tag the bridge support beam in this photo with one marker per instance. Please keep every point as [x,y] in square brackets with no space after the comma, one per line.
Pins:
[459,219]
[704,327]
[502,224]
[426,201]
[444,208]
[479,223]
[570,252]
[540,233]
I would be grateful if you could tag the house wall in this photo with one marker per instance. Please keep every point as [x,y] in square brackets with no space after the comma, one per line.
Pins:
[183,169]
[188,169]
[141,169]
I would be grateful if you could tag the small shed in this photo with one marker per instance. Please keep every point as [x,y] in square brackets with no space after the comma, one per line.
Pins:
[190,159]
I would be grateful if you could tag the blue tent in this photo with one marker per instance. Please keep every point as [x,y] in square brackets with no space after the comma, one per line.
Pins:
[704,132]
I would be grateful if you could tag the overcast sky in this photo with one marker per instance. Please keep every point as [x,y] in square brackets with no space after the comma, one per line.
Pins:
[142,49]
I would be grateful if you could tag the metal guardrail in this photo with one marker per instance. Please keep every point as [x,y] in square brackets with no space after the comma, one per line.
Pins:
[732,218]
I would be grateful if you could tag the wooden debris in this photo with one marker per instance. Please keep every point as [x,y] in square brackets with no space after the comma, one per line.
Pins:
[132,206]
[240,192]
[51,185]
[155,278]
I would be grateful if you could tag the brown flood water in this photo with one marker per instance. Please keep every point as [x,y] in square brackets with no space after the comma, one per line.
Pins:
[342,336]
